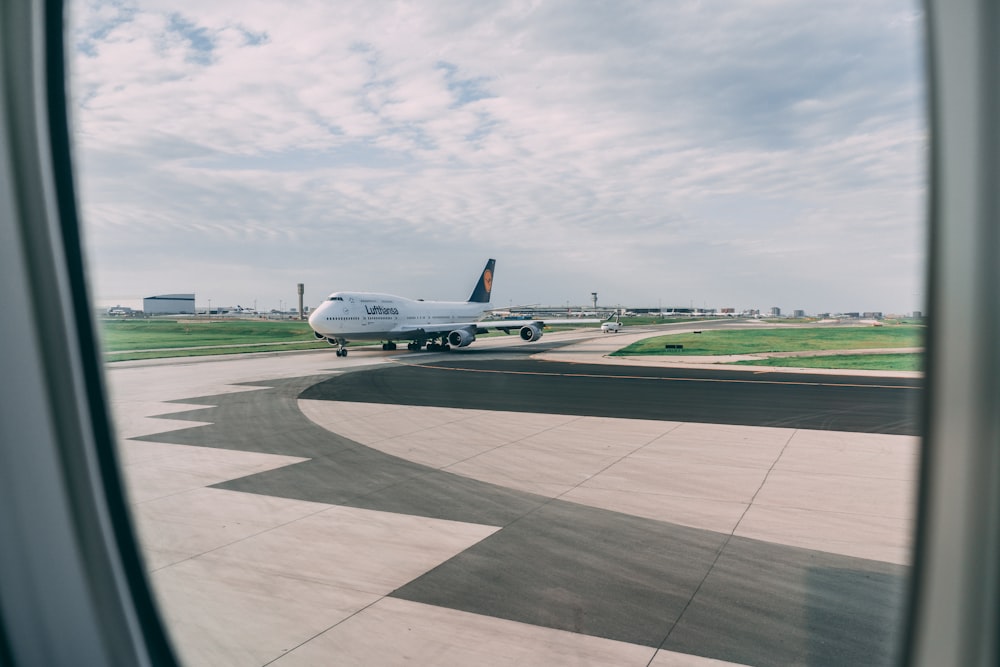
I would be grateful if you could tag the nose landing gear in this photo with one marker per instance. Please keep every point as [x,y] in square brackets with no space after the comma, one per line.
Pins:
[342,350]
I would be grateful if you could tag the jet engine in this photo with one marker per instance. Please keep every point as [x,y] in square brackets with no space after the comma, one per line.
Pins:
[460,338]
[318,335]
[530,333]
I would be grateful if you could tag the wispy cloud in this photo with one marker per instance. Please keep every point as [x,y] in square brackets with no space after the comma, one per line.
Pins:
[650,151]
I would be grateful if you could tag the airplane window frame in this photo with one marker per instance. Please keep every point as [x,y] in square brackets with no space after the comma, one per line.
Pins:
[954,596]
[73,586]
[62,511]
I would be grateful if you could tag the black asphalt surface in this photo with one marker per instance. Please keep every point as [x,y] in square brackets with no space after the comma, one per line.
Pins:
[572,567]
[825,402]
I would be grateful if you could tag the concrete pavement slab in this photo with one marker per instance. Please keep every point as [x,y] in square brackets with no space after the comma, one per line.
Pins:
[861,454]
[185,525]
[400,632]
[178,468]
[721,444]
[698,512]
[850,494]
[444,446]
[235,614]
[671,659]
[535,463]
[880,538]
[686,479]
[355,548]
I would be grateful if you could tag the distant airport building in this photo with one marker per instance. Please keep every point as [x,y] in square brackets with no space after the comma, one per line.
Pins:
[872,315]
[775,311]
[917,315]
[798,313]
[169,304]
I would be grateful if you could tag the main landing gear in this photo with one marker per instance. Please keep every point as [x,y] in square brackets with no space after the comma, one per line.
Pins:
[431,346]
[388,347]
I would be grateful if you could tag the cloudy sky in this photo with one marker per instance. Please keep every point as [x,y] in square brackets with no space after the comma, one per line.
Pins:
[745,154]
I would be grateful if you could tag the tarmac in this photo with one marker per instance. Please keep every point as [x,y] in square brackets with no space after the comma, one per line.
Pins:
[342,532]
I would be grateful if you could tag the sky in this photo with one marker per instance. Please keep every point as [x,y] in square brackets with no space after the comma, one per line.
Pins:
[689,153]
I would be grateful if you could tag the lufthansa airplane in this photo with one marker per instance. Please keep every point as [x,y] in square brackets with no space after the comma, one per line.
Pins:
[438,325]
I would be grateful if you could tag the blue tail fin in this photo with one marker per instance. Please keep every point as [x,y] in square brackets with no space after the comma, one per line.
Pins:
[485,285]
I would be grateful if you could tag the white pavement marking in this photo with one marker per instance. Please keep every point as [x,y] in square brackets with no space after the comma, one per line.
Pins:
[845,493]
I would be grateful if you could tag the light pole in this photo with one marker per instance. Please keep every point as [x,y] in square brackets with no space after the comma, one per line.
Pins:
[209,313]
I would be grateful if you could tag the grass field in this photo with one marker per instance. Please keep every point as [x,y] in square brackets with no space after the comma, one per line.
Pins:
[872,362]
[124,340]
[205,351]
[753,341]
[151,334]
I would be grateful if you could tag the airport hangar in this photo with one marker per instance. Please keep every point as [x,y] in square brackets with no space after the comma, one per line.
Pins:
[169,304]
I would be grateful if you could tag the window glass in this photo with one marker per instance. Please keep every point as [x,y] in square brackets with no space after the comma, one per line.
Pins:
[749,179]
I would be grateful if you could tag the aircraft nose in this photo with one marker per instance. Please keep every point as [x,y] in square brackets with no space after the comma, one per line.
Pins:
[315,315]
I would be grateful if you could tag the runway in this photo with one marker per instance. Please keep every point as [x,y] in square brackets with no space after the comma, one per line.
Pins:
[561,497]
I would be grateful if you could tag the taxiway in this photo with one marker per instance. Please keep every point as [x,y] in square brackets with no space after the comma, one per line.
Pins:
[491,508]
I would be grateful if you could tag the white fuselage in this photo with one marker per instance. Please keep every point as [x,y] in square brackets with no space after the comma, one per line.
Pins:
[371,316]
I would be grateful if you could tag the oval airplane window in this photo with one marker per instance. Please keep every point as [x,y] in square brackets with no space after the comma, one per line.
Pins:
[275,200]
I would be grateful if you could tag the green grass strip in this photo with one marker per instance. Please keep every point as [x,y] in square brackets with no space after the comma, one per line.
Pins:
[755,341]
[207,351]
[870,362]
[119,335]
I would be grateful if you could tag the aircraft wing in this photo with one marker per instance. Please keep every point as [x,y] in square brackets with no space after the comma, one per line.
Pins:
[446,327]
[506,325]
[482,326]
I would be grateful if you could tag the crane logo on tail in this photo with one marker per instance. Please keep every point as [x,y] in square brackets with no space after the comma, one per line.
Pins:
[485,285]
